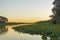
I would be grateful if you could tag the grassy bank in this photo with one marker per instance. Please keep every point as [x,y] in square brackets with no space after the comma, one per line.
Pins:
[45,29]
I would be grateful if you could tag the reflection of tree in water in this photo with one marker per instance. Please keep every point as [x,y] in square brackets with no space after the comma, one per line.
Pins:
[52,32]
[3,29]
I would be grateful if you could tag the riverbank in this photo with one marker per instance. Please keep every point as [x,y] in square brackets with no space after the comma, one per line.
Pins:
[45,29]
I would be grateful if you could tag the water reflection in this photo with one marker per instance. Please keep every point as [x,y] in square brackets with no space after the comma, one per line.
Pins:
[53,34]
[13,35]
[3,29]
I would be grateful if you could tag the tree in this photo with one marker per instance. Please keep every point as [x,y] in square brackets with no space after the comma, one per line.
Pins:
[56,12]
[3,19]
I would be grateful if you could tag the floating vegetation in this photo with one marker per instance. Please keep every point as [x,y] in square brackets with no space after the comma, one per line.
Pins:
[45,29]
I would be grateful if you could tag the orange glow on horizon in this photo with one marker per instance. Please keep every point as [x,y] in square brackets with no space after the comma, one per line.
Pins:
[30,20]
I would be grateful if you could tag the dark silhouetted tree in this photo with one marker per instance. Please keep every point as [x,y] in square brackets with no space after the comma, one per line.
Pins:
[3,19]
[56,12]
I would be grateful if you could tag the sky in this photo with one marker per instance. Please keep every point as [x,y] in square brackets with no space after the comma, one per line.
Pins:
[26,10]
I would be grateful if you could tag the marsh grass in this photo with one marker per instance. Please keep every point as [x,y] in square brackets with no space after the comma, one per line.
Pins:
[45,29]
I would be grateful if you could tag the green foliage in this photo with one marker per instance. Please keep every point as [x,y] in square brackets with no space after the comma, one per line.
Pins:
[56,12]
[45,29]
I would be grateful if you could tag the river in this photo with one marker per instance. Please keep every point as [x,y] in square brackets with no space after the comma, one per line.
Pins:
[7,33]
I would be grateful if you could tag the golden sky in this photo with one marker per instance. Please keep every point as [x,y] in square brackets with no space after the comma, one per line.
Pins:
[26,10]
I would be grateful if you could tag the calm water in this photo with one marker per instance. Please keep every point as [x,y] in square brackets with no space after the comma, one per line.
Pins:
[7,33]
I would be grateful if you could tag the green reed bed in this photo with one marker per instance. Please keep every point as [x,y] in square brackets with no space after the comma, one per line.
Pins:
[46,29]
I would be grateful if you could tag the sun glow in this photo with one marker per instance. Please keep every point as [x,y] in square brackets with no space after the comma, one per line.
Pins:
[30,20]
[26,11]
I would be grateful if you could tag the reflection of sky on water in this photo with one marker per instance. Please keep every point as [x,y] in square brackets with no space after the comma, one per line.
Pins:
[13,35]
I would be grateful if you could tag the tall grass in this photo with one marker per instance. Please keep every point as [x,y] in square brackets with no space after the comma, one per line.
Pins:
[45,29]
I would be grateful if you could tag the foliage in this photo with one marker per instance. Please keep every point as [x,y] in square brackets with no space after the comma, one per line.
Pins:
[56,12]
[45,29]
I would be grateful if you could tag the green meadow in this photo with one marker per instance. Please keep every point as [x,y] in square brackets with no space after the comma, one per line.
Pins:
[45,29]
